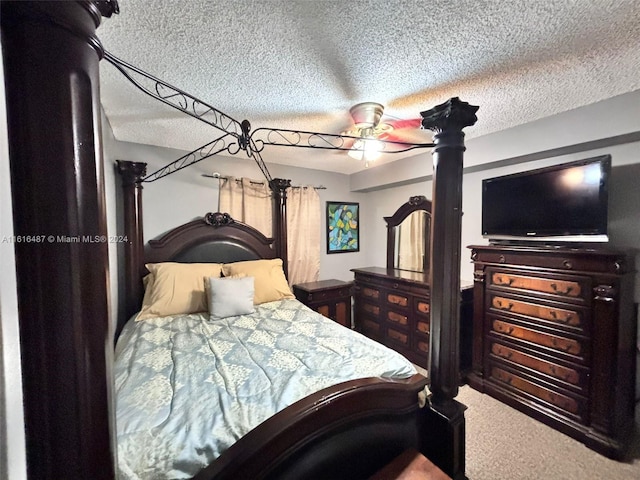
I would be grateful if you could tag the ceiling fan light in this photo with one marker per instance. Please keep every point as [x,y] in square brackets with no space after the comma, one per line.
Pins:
[367,149]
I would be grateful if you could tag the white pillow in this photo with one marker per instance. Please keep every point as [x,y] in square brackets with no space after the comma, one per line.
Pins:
[229,297]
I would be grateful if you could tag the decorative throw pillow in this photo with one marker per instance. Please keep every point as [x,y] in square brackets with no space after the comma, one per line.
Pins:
[229,297]
[176,288]
[269,281]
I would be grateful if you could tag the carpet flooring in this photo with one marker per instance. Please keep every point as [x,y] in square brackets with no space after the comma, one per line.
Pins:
[503,443]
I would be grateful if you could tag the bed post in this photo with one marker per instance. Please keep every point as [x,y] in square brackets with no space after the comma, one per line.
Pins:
[51,79]
[447,121]
[279,191]
[132,173]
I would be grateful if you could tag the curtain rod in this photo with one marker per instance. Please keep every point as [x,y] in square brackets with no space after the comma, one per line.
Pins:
[222,177]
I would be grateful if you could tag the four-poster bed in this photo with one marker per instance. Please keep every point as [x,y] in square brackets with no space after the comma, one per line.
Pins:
[349,428]
[335,425]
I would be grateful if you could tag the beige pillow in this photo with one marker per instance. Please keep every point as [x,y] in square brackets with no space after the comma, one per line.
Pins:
[176,288]
[270,283]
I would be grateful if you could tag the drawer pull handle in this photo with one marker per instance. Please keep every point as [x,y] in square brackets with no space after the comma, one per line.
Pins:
[559,374]
[567,319]
[504,281]
[565,347]
[503,329]
[506,378]
[504,305]
[557,289]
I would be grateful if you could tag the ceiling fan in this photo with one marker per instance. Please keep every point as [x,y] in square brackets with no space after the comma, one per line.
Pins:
[368,127]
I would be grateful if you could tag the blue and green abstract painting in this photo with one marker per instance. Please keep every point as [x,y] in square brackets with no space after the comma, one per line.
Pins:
[342,227]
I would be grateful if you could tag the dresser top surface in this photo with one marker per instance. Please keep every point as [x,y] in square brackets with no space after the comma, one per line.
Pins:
[322,285]
[394,273]
[554,249]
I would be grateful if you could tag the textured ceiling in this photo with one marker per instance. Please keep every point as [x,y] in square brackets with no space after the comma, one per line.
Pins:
[302,64]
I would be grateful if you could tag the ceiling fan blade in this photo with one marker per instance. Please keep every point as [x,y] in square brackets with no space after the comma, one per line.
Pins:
[395,136]
[410,123]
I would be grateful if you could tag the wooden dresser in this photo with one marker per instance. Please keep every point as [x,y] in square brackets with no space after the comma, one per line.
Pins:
[554,336]
[392,307]
[331,298]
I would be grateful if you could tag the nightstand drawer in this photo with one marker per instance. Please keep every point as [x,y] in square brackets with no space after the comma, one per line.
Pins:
[331,298]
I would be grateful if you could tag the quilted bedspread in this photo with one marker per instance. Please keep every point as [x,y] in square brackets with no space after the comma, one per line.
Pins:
[188,387]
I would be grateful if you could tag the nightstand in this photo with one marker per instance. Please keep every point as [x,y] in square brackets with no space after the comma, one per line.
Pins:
[331,298]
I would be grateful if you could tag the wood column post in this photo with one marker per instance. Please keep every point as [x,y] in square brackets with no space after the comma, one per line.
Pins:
[132,174]
[447,121]
[279,189]
[51,74]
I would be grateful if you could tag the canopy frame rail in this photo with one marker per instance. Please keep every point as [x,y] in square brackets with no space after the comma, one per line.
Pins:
[237,135]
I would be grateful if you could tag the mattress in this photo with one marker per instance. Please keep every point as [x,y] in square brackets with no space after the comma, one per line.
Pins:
[188,387]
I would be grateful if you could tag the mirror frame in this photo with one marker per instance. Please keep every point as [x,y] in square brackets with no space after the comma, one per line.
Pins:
[415,203]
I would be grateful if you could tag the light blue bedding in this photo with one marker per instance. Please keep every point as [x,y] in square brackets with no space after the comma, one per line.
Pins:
[189,387]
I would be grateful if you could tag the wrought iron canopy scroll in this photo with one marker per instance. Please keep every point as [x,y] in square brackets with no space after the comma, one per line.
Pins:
[236,135]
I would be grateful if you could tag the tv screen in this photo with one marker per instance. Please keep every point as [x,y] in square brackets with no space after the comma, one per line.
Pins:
[567,202]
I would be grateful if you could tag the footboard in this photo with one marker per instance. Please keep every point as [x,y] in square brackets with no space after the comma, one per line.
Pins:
[348,431]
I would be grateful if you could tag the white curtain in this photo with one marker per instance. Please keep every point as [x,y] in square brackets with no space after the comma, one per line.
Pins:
[411,243]
[303,234]
[248,201]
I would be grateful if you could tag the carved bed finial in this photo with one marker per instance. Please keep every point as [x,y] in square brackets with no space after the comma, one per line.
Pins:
[279,184]
[452,114]
[131,172]
[218,219]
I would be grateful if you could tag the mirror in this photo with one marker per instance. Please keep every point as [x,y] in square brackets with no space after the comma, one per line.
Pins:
[408,236]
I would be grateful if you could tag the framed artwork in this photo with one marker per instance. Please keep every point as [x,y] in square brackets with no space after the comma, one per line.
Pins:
[343,233]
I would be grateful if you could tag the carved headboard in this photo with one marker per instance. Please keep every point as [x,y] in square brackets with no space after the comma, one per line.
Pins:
[213,238]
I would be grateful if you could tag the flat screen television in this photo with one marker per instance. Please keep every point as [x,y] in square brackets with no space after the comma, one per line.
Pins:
[562,203]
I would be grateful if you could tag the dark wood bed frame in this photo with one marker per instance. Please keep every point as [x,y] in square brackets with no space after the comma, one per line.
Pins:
[66,340]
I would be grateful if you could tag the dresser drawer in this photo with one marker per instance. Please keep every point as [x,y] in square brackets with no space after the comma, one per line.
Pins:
[368,291]
[421,346]
[422,307]
[562,287]
[422,326]
[575,349]
[571,376]
[369,308]
[397,299]
[572,317]
[398,336]
[398,319]
[370,328]
[574,405]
